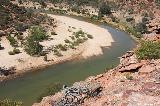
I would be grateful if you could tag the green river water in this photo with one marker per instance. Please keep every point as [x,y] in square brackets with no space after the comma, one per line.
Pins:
[29,87]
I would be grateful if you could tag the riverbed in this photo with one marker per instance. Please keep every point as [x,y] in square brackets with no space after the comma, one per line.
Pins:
[29,87]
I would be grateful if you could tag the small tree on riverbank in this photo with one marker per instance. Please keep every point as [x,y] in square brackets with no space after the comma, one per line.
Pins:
[104,10]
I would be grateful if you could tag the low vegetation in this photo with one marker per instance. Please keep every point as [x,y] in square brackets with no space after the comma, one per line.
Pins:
[104,9]
[15,51]
[32,45]
[38,33]
[141,27]
[76,39]
[8,102]
[51,90]
[148,50]
[13,41]
[157,2]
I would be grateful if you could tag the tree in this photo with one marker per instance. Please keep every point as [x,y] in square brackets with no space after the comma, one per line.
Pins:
[104,9]
[141,27]
[33,47]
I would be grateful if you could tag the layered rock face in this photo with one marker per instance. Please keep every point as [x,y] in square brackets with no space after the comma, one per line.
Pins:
[131,83]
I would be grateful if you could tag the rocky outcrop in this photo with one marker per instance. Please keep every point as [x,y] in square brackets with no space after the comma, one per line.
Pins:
[131,83]
[74,95]
[129,62]
[6,71]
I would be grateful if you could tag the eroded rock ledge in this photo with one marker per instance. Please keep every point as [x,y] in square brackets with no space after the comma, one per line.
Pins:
[131,83]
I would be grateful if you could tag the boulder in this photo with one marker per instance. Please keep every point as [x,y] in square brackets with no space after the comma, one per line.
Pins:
[146,69]
[131,67]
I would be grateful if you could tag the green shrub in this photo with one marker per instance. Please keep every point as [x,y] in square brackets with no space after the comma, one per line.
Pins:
[89,36]
[16,51]
[11,53]
[79,33]
[8,102]
[67,41]
[148,50]
[104,9]
[21,26]
[12,41]
[141,27]
[130,11]
[72,37]
[38,33]
[129,76]
[72,46]
[133,32]
[145,20]
[19,37]
[62,47]
[129,19]
[157,2]
[57,53]
[33,47]
[45,58]
[53,33]
[94,18]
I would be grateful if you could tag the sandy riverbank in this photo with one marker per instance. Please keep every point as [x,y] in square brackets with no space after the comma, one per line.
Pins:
[65,28]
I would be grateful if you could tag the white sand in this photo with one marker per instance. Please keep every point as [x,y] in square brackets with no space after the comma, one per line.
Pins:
[101,37]
[23,62]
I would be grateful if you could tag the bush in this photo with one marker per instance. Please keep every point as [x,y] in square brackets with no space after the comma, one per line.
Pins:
[38,33]
[130,11]
[16,51]
[89,36]
[145,20]
[94,18]
[12,41]
[104,10]
[11,53]
[62,47]
[141,27]
[157,2]
[79,33]
[67,41]
[33,47]
[53,33]
[19,37]
[129,19]
[45,58]
[57,53]
[148,50]
[21,27]
[8,102]
[129,76]
[133,32]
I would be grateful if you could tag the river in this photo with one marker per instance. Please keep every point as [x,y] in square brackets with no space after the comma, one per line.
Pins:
[29,87]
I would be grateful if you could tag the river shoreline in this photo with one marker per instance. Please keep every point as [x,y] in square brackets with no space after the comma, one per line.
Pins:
[32,69]
[83,51]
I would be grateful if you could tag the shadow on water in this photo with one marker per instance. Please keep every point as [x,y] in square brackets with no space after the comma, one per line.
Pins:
[28,87]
